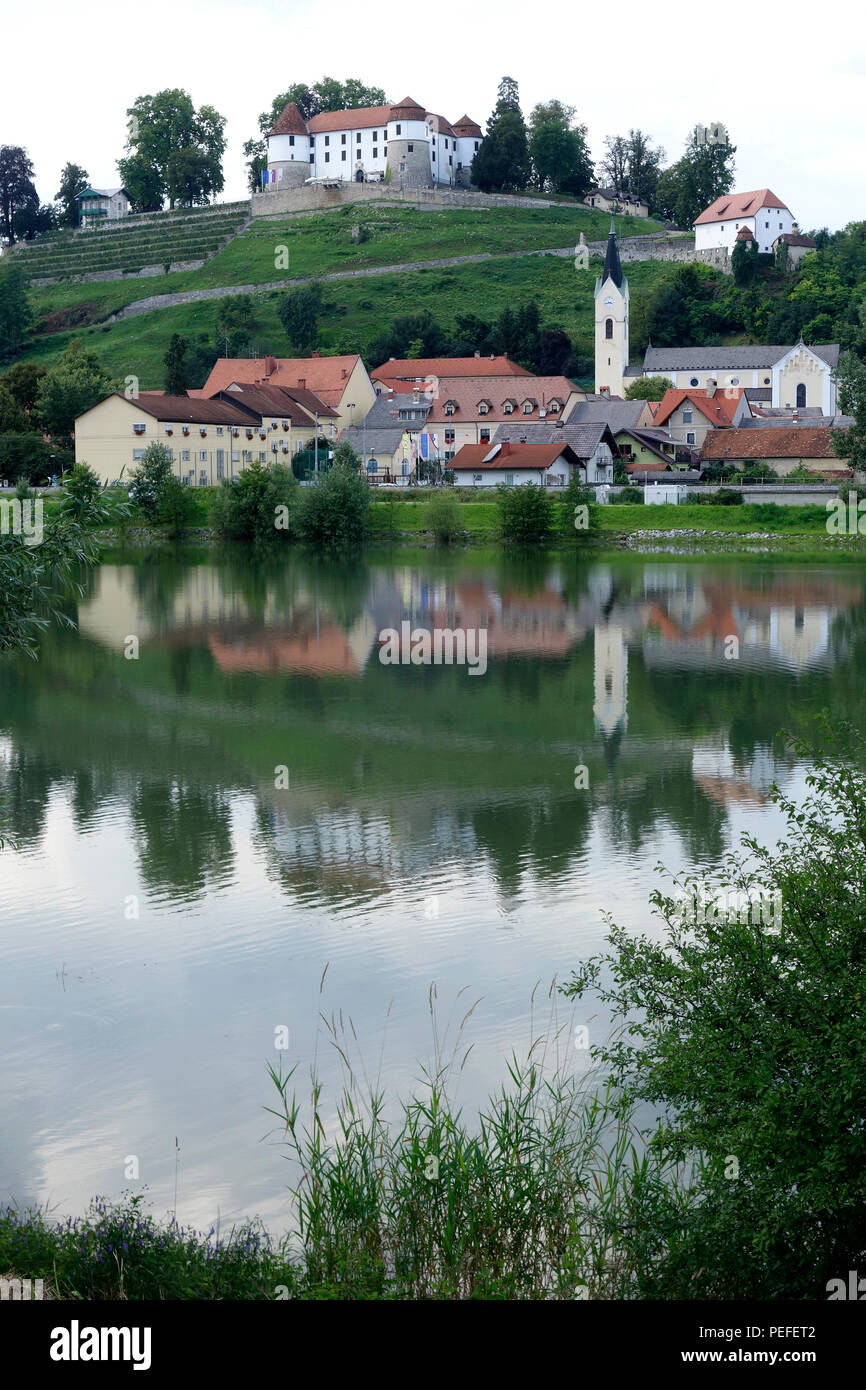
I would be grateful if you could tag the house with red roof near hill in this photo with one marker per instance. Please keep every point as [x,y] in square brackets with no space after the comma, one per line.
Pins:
[341,382]
[688,415]
[405,373]
[760,212]
[367,144]
[784,448]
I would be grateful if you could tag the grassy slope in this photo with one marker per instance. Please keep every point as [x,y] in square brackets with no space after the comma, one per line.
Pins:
[320,244]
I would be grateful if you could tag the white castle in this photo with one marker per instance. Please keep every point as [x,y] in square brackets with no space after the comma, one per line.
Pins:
[411,147]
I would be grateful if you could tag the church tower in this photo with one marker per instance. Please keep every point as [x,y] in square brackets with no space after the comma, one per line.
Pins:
[611,322]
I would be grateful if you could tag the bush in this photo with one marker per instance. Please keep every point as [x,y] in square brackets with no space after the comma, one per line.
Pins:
[246,508]
[746,1035]
[149,481]
[333,511]
[444,517]
[81,489]
[725,497]
[526,513]
[177,507]
[630,496]
[577,495]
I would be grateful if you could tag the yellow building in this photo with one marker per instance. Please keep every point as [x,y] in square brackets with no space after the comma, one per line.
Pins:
[208,440]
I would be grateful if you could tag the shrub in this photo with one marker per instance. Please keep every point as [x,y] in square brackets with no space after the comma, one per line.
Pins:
[444,517]
[81,488]
[333,511]
[526,513]
[149,481]
[177,507]
[245,508]
[629,496]
[576,495]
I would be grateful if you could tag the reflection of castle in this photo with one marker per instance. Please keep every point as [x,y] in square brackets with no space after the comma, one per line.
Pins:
[610,706]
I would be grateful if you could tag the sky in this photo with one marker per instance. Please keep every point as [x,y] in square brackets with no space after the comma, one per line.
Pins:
[789,93]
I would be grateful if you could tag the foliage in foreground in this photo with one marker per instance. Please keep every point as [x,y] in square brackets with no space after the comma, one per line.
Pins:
[748,1039]
[35,579]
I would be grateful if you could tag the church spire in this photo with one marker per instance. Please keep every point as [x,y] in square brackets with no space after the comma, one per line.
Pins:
[612,265]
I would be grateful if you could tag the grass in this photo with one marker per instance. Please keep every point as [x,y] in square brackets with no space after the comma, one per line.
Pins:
[758,516]
[355,310]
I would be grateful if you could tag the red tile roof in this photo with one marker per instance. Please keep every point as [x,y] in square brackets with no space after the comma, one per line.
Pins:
[467,127]
[289,122]
[444,127]
[466,392]
[719,409]
[293,404]
[409,369]
[511,456]
[355,118]
[795,441]
[407,110]
[732,205]
[328,377]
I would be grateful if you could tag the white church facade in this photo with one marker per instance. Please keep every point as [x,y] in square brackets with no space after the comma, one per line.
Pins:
[401,143]
[795,377]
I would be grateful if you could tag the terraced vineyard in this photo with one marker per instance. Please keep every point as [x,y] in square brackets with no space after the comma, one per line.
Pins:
[127,246]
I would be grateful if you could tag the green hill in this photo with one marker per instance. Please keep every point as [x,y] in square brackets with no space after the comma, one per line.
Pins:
[321,244]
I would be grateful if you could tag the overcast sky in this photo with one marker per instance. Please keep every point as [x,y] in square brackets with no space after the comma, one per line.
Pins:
[788,88]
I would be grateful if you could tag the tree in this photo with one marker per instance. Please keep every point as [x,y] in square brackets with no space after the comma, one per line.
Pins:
[648,388]
[251,507]
[345,456]
[703,173]
[81,490]
[77,382]
[613,165]
[177,507]
[176,380]
[444,518]
[150,480]
[740,1023]
[73,180]
[35,578]
[12,417]
[28,456]
[15,314]
[234,321]
[554,350]
[560,158]
[850,444]
[299,312]
[22,381]
[744,263]
[16,187]
[333,512]
[32,219]
[526,513]
[175,152]
[643,165]
[502,161]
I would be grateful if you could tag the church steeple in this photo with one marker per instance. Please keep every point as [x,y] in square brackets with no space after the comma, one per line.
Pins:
[612,266]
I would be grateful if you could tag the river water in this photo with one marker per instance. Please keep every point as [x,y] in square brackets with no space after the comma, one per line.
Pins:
[244,797]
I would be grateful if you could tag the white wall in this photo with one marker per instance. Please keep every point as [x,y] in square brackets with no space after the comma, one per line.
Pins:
[765,226]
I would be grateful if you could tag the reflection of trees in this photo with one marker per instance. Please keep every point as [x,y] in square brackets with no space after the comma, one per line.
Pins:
[184,835]
[25,786]
[91,788]
[670,795]
[157,581]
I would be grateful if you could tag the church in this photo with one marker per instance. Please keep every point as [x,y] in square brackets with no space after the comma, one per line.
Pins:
[402,144]
[796,377]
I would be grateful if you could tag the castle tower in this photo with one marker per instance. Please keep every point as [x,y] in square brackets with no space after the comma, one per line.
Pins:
[289,149]
[467,137]
[611,322]
[409,146]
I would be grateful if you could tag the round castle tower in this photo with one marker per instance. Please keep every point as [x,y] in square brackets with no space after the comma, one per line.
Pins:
[409,146]
[289,149]
[468,137]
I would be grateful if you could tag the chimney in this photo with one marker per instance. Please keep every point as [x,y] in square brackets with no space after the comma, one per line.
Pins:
[711,390]
[270,365]
[315,353]
[795,228]
[345,373]
[477,353]
[416,395]
[302,381]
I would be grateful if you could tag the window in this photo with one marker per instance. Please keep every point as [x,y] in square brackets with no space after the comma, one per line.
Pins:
[220,462]
[327,158]
[263,458]
[343,155]
[185,455]
[385,151]
[202,455]
[327,139]
[449,436]
[690,437]
[236,458]
[433,155]
[527,409]
[342,139]
[508,409]
[509,480]
[375,135]
[608,328]
[476,146]
[482,409]
[449,410]
[766,381]
[137,454]
[219,429]
[477,478]
[801,395]
[485,436]
[139,427]
[312,158]
[553,407]
[358,138]
[399,128]
[291,139]
[410,148]
[375,153]
[687,417]
[693,381]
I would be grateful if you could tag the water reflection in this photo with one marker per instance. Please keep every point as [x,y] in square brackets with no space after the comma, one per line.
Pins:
[154,781]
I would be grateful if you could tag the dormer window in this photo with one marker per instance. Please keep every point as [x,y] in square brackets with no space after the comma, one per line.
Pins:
[527,407]
[553,407]
[449,408]
[508,408]
[483,407]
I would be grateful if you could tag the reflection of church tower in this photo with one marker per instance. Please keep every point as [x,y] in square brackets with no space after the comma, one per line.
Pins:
[611,679]
[611,322]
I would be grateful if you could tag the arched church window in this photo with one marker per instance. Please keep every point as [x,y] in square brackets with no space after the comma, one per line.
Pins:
[608,328]
[801,395]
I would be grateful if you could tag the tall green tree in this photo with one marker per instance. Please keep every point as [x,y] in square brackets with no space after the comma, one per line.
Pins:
[235,321]
[850,444]
[613,165]
[22,381]
[502,163]
[176,379]
[33,218]
[643,166]
[73,180]
[16,187]
[703,173]
[15,316]
[77,382]
[299,312]
[559,150]
[182,147]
